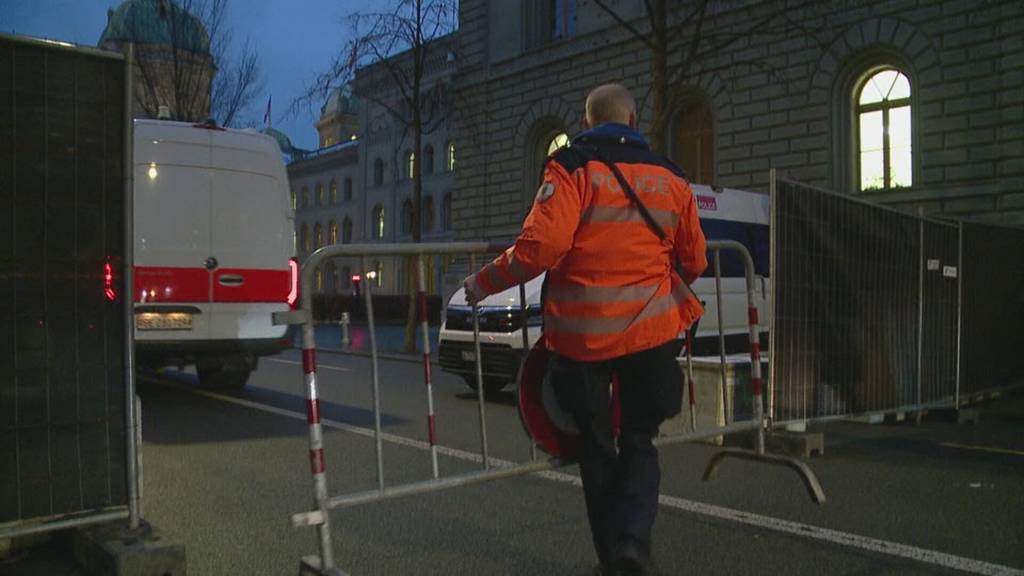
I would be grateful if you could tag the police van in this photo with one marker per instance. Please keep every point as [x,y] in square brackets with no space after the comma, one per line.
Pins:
[725,214]
[213,248]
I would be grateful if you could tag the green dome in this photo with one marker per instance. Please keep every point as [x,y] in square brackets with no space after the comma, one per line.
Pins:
[282,139]
[154,22]
[341,101]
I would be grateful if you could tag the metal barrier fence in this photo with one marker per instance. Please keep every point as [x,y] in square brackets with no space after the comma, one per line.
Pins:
[325,562]
[67,410]
[993,309]
[879,311]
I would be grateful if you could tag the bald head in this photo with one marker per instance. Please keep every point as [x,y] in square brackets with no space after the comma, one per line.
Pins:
[610,103]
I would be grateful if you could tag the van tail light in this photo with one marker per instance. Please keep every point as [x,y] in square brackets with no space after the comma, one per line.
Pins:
[293,283]
[108,282]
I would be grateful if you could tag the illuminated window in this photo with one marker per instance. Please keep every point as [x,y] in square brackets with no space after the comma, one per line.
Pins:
[427,210]
[318,279]
[320,200]
[407,216]
[560,140]
[318,233]
[378,172]
[334,192]
[293,200]
[346,231]
[446,212]
[411,164]
[884,131]
[451,157]
[378,222]
[332,232]
[428,159]
[348,190]
[378,272]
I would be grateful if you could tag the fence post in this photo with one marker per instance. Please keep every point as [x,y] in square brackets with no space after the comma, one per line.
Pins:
[479,374]
[421,295]
[346,340]
[920,313]
[368,298]
[721,335]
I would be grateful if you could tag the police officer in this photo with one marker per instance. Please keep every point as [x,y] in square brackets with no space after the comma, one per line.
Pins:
[617,301]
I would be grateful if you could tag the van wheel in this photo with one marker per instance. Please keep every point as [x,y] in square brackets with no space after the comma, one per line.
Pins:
[220,379]
[492,385]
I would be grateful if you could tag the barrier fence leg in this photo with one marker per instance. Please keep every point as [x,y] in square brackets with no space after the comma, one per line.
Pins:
[721,336]
[325,563]
[689,380]
[526,348]
[758,454]
[421,295]
[375,374]
[479,377]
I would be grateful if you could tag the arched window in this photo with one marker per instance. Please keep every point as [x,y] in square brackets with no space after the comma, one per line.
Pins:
[378,222]
[378,273]
[446,212]
[450,163]
[305,197]
[694,145]
[407,216]
[427,212]
[346,277]
[348,190]
[307,246]
[378,172]
[559,140]
[410,162]
[320,201]
[346,231]
[334,192]
[332,232]
[332,277]
[428,159]
[318,279]
[882,104]
[318,233]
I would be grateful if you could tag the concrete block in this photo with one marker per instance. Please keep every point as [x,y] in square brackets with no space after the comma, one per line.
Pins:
[113,549]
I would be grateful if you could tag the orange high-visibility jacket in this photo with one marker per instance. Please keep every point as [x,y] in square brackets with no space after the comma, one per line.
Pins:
[611,289]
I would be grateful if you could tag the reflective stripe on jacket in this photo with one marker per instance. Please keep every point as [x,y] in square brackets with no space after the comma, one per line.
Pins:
[611,290]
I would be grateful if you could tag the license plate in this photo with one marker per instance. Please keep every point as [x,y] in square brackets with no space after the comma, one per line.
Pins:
[469,355]
[163,321]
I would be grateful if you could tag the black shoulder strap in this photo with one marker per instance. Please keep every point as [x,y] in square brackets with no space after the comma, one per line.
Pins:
[593,151]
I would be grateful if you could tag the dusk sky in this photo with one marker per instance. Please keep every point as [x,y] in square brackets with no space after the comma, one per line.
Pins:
[295,40]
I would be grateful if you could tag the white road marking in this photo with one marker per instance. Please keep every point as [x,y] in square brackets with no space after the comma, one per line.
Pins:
[319,366]
[875,545]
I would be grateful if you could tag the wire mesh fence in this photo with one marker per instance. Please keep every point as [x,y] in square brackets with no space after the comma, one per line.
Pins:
[858,324]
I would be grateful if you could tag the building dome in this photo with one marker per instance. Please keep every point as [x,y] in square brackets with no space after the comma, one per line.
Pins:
[341,101]
[282,139]
[152,22]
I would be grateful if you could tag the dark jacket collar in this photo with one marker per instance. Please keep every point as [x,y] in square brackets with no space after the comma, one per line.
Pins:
[612,132]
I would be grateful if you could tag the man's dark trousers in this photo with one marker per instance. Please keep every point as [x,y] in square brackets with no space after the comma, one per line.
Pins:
[620,481]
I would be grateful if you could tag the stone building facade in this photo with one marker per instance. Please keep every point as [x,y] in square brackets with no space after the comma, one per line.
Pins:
[365,180]
[799,95]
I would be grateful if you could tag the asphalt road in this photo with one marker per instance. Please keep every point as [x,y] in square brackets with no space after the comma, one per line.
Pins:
[224,472]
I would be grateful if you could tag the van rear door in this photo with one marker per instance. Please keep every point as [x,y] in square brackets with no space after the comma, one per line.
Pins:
[172,232]
[250,236]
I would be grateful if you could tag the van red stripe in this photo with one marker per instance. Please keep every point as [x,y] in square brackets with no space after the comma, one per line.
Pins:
[192,285]
[257,286]
[168,284]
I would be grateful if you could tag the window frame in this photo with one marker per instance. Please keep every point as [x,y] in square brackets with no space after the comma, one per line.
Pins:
[885,106]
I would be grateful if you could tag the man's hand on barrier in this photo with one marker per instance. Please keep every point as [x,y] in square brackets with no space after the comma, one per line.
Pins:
[473,292]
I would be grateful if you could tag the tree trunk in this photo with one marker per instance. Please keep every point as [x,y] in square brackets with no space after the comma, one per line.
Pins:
[417,180]
[659,77]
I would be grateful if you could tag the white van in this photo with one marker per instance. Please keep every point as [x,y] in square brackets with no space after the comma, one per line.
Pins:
[725,214]
[214,246]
